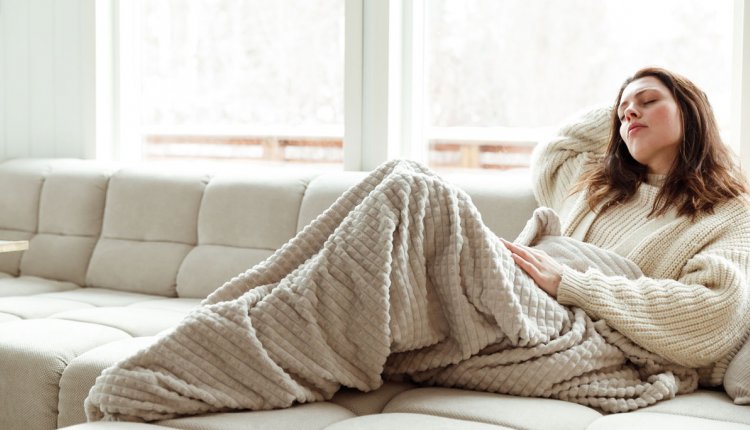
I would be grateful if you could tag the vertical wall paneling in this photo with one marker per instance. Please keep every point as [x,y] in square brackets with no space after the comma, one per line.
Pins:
[3,37]
[42,135]
[16,64]
[87,37]
[67,53]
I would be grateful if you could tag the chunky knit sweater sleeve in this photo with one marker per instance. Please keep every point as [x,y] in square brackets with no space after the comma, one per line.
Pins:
[557,164]
[694,320]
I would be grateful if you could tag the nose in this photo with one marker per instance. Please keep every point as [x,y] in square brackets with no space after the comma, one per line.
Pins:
[631,112]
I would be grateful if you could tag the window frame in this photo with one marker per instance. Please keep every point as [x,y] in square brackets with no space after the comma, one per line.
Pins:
[384,82]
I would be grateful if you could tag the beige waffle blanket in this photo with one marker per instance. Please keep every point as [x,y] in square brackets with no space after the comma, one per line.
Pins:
[399,278]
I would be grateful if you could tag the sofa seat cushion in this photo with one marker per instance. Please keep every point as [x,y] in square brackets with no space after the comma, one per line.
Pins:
[309,416]
[102,296]
[498,409]
[29,285]
[132,320]
[713,405]
[81,373]
[659,421]
[8,317]
[372,402]
[34,354]
[390,421]
[115,426]
[184,305]
[29,307]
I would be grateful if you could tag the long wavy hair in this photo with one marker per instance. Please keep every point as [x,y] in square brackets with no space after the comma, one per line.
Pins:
[703,174]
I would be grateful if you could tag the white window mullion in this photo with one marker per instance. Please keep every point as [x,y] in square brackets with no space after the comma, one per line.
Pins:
[413,145]
[741,86]
[373,83]
[353,84]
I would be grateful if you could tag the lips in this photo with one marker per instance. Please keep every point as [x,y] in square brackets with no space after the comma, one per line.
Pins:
[635,127]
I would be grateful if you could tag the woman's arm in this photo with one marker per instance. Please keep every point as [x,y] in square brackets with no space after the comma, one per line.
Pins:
[556,165]
[693,321]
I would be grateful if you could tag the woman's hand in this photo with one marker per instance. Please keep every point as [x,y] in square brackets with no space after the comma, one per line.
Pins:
[542,268]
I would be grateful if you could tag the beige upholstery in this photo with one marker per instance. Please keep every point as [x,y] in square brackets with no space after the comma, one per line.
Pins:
[242,220]
[34,353]
[81,372]
[132,320]
[655,421]
[412,422]
[308,416]
[29,307]
[322,192]
[118,255]
[149,227]
[29,285]
[70,218]
[704,404]
[370,403]
[20,187]
[510,411]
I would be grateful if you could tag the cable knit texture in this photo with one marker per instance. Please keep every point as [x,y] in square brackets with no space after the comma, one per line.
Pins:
[399,277]
[692,305]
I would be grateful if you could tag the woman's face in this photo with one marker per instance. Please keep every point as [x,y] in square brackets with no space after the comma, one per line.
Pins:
[651,124]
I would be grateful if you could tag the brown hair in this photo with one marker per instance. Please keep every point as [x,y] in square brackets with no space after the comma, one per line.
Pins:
[703,174]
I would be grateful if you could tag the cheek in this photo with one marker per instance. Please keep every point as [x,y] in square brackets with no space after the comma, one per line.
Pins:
[672,122]
[623,132]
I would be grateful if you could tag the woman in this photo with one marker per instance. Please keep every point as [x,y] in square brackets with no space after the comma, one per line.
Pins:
[664,193]
[401,278]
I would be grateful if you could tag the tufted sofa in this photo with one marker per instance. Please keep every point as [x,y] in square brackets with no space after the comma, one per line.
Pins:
[118,254]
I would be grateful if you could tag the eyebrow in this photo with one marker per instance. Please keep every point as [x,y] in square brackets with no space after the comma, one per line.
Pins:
[637,93]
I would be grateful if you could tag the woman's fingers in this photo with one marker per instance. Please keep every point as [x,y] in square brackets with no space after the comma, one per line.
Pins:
[545,271]
[524,251]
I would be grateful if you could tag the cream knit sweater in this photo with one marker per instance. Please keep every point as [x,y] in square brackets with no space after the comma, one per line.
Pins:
[693,304]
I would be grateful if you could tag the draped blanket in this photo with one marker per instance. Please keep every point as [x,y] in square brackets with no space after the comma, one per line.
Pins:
[398,279]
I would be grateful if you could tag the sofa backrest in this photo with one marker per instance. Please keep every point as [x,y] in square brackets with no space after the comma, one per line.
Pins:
[149,227]
[242,220]
[173,232]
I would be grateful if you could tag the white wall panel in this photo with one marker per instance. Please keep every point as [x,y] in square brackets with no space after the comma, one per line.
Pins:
[46,78]
[16,63]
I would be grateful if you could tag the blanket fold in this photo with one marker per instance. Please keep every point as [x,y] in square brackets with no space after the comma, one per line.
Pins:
[399,278]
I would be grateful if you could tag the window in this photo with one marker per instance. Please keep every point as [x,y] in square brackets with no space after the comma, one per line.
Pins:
[468,83]
[502,74]
[243,80]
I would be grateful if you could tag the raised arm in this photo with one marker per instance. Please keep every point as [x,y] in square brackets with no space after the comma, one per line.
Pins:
[557,164]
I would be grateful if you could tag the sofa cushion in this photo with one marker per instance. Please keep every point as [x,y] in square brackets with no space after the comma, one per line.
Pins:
[132,320]
[370,403]
[323,192]
[81,373]
[34,354]
[29,307]
[29,285]
[59,257]
[208,267]
[706,404]
[412,422]
[502,410]
[149,227]
[644,421]
[141,267]
[71,208]
[101,296]
[306,416]
[494,195]
[236,230]
[20,187]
